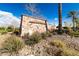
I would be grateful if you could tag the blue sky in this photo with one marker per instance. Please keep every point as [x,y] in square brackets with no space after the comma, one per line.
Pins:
[50,11]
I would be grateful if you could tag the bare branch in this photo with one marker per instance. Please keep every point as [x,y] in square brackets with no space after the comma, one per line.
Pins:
[32,9]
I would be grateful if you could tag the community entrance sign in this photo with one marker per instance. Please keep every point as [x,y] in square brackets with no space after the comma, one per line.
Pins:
[30,25]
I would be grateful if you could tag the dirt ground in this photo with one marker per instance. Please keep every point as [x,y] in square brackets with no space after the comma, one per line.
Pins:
[39,48]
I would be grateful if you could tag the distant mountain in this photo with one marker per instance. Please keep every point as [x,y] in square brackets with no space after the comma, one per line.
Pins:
[8,19]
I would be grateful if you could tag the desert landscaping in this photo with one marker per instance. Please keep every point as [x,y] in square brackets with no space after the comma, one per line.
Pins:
[36,37]
[49,44]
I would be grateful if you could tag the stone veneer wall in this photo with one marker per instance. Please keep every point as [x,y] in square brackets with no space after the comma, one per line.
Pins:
[31,25]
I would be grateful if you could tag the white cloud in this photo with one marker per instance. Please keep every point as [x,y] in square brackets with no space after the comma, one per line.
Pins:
[55,19]
[7,19]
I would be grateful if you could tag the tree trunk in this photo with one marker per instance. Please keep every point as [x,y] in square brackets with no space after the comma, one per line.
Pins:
[60,18]
[73,23]
[46,25]
[20,29]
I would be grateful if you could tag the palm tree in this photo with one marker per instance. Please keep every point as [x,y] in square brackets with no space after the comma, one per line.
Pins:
[60,17]
[73,15]
[77,23]
[65,24]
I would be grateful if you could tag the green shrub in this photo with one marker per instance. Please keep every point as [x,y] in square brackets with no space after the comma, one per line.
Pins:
[65,50]
[33,39]
[3,30]
[12,44]
[9,29]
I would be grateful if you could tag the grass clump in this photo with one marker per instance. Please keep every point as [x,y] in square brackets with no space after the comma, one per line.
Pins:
[58,43]
[49,34]
[74,33]
[65,50]
[36,37]
[12,44]
[33,39]
[3,30]
[10,29]
[69,52]
[16,31]
[46,34]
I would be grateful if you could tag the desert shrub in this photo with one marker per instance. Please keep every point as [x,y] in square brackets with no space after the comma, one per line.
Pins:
[58,43]
[49,34]
[65,50]
[33,39]
[54,32]
[65,28]
[16,31]
[53,51]
[9,29]
[12,44]
[51,31]
[69,52]
[3,30]
[74,33]
[46,34]
[26,36]
[69,30]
